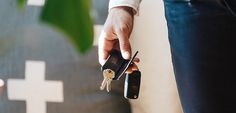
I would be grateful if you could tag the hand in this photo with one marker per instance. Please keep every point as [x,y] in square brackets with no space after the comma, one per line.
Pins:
[116,33]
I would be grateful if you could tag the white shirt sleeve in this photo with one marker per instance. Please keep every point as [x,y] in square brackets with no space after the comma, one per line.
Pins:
[129,3]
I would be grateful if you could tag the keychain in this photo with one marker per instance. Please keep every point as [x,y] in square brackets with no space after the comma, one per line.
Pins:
[114,67]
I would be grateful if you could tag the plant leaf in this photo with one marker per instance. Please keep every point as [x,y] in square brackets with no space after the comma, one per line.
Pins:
[21,3]
[71,17]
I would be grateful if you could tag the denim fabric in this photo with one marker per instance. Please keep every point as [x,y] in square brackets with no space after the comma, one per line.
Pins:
[202,36]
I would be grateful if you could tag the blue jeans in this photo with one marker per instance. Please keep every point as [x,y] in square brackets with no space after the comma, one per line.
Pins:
[202,36]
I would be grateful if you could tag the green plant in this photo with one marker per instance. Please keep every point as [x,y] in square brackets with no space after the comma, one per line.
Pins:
[72,18]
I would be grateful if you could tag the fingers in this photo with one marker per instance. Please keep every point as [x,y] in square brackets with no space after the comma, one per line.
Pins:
[104,47]
[136,60]
[125,47]
[117,28]
[132,68]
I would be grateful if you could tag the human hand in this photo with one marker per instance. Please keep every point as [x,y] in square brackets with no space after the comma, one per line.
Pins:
[116,33]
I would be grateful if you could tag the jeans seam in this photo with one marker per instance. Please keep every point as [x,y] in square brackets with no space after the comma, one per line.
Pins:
[225,5]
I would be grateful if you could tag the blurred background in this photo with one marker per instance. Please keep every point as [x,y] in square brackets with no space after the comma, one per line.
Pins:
[77,77]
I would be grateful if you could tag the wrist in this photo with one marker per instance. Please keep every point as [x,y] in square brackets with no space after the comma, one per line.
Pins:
[130,10]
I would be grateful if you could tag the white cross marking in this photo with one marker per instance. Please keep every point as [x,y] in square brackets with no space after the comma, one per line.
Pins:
[36,2]
[34,89]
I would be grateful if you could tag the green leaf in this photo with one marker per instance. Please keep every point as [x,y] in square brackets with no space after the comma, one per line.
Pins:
[21,3]
[71,17]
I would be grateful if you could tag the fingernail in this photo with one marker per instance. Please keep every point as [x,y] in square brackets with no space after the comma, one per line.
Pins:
[126,55]
[102,61]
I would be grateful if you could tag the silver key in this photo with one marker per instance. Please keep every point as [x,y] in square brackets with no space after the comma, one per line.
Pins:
[108,75]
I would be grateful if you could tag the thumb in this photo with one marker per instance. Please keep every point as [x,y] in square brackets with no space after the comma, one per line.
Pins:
[125,47]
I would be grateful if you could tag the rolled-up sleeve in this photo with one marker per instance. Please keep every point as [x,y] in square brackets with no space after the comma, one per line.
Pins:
[129,3]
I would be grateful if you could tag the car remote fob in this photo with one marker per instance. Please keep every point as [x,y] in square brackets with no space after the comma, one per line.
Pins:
[132,85]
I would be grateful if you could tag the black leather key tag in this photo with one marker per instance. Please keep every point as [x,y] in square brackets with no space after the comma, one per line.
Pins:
[117,63]
[132,85]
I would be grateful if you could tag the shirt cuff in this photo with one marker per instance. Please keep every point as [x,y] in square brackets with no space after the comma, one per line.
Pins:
[129,3]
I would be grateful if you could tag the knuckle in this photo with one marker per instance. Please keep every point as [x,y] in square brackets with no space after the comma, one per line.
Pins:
[122,29]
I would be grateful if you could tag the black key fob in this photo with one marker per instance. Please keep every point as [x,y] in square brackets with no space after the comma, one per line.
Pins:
[117,63]
[132,85]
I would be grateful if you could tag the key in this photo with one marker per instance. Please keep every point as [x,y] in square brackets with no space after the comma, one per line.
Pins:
[104,82]
[109,85]
[114,67]
[108,75]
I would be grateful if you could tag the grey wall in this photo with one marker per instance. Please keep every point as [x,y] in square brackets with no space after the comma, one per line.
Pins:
[22,38]
[100,11]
